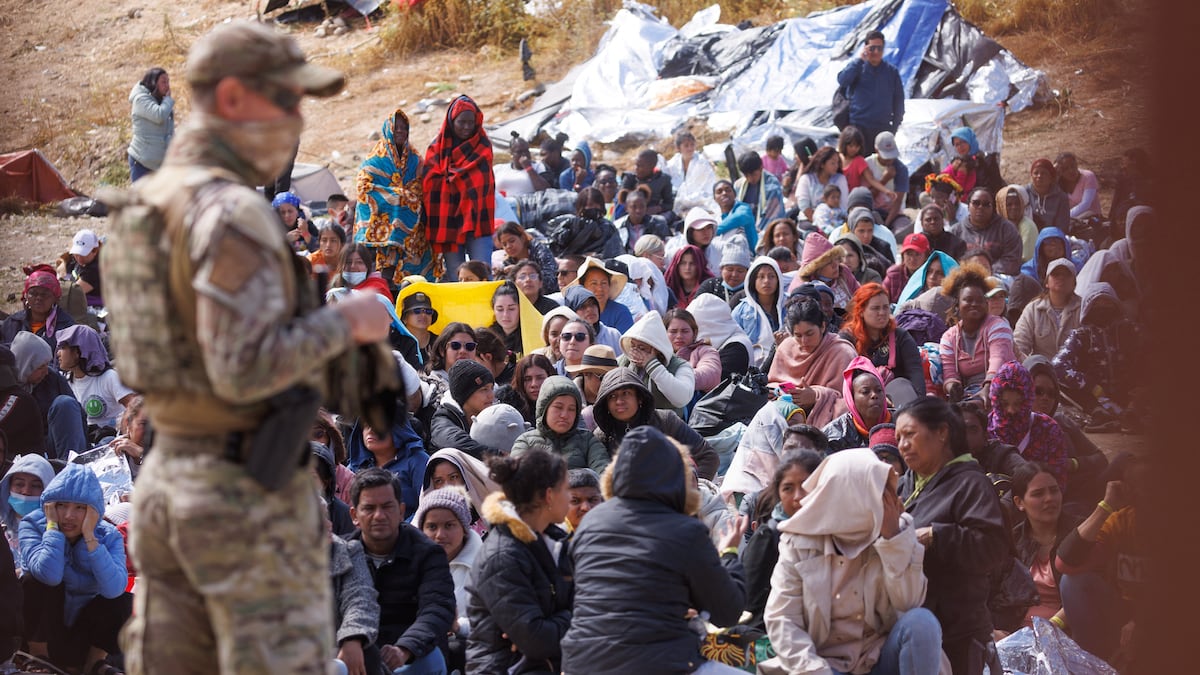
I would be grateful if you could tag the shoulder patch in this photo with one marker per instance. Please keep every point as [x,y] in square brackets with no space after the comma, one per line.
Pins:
[235,260]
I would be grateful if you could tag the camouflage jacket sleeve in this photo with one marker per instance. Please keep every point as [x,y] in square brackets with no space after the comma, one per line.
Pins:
[252,342]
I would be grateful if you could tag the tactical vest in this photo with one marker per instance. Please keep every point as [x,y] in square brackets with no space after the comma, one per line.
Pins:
[148,274]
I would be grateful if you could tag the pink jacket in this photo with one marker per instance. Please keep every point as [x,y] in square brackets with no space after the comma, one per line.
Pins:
[993,348]
[706,364]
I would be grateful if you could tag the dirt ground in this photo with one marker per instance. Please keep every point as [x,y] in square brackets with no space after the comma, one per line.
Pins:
[71,65]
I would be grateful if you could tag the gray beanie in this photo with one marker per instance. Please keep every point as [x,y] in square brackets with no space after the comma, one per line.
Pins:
[497,426]
[735,254]
[859,213]
[859,196]
[453,499]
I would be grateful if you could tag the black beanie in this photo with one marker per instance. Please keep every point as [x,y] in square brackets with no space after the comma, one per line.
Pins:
[467,377]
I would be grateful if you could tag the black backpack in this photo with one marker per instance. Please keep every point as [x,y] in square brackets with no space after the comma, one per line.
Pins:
[841,108]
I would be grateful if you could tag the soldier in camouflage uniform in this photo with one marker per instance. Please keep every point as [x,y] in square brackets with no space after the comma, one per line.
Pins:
[212,319]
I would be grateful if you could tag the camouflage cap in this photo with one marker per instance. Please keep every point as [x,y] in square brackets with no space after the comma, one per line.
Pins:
[252,49]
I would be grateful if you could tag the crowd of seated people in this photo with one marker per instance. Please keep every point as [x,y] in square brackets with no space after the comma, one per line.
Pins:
[541,480]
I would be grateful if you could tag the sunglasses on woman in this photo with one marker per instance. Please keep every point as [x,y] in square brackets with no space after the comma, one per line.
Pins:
[469,346]
[422,310]
[578,337]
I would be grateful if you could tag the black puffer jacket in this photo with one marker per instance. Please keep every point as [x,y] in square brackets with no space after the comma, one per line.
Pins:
[969,541]
[611,432]
[575,235]
[843,434]
[642,560]
[416,593]
[517,588]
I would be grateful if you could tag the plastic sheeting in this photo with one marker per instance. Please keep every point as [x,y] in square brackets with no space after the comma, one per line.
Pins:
[801,67]
[1046,650]
[648,78]
[924,136]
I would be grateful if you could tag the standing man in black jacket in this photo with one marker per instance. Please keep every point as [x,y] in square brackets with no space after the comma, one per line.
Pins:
[875,91]
[411,573]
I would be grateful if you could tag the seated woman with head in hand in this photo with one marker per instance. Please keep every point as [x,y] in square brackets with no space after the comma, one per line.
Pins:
[76,576]
[847,592]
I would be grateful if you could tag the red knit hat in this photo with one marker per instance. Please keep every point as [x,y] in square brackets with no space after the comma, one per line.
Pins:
[42,276]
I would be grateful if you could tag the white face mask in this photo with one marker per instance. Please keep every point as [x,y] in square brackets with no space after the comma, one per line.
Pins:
[354,278]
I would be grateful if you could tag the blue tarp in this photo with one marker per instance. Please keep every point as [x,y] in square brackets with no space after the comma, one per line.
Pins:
[647,79]
[801,67]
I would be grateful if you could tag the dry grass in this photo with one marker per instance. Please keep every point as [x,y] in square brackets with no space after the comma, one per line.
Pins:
[443,24]
[1077,18]
[15,206]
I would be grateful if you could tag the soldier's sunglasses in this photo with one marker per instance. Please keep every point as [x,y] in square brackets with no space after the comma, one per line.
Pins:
[283,98]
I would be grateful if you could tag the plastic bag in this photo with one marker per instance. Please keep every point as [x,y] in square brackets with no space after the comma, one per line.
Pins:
[112,470]
[1046,650]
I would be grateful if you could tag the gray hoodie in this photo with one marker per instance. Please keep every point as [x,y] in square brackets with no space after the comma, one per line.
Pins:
[31,464]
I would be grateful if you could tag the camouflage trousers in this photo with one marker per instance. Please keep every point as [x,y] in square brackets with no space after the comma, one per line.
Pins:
[231,578]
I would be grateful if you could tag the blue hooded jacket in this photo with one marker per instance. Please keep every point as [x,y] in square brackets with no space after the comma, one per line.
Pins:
[409,464]
[916,282]
[966,135]
[1036,266]
[53,560]
[566,179]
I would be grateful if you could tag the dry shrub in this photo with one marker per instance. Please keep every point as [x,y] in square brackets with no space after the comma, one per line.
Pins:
[164,47]
[758,12]
[1064,17]
[442,24]
[13,205]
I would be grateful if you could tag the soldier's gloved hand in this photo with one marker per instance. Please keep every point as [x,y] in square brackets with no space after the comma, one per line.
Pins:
[369,320]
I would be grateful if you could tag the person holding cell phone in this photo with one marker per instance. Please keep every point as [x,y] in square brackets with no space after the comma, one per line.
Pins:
[875,91]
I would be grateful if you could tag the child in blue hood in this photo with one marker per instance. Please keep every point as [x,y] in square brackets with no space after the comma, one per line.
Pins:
[21,494]
[75,572]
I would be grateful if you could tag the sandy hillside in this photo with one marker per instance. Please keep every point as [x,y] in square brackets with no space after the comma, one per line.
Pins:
[73,65]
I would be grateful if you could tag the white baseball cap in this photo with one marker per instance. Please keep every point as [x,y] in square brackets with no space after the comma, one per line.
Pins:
[885,145]
[84,243]
[698,218]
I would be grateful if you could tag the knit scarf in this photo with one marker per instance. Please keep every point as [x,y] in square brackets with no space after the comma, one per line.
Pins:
[459,185]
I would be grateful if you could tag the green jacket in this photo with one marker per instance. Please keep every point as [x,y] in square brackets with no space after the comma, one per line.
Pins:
[578,446]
